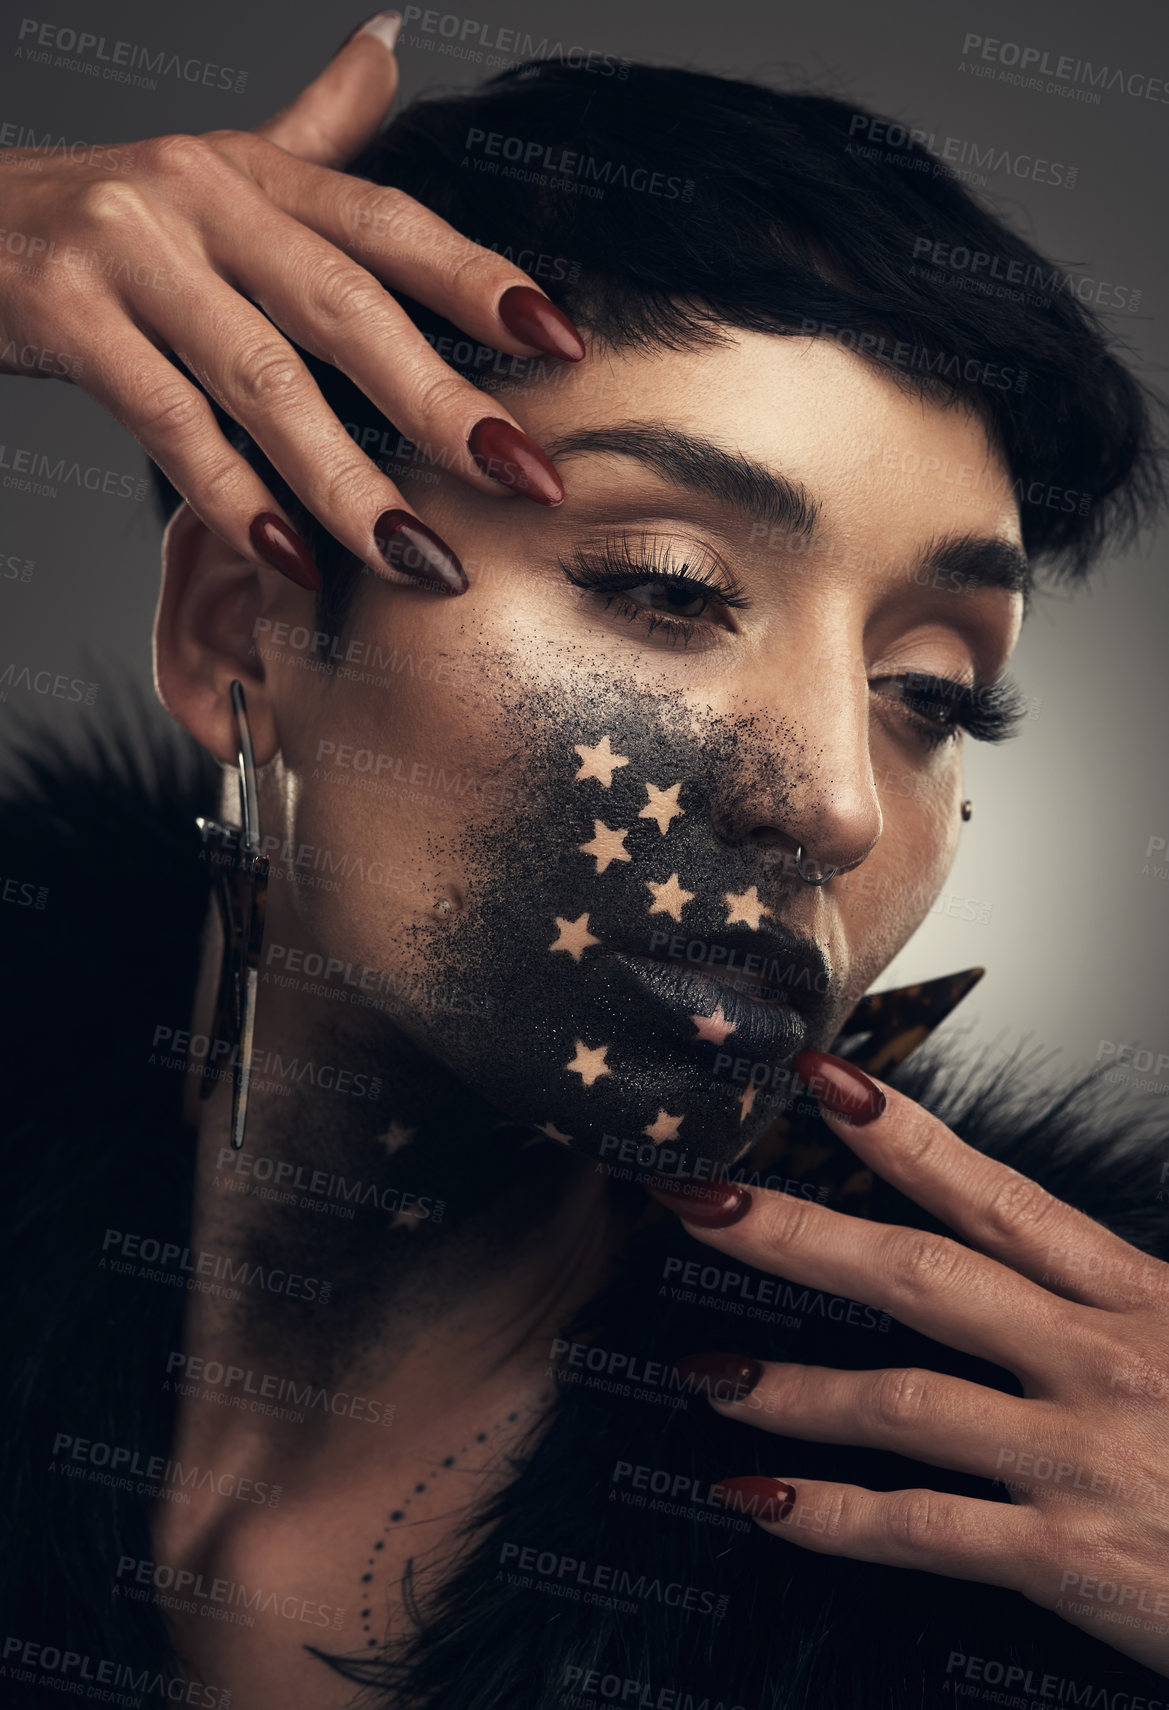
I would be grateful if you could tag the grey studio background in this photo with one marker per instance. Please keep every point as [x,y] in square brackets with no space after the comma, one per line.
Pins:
[1060,888]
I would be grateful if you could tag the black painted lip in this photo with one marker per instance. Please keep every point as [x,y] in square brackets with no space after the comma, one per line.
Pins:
[770,1029]
[800,975]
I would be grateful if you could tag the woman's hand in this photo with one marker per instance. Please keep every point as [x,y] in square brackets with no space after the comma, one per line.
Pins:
[169,245]
[1078,1315]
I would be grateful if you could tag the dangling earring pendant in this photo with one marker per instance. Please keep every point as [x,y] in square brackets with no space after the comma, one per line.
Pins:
[241,876]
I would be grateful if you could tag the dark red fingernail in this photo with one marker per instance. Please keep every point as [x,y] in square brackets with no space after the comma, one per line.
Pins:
[536,320]
[762,1498]
[509,456]
[723,1377]
[279,545]
[840,1087]
[712,1205]
[408,546]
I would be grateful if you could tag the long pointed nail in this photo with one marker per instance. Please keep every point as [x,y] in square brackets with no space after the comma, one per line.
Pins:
[510,457]
[413,550]
[723,1377]
[754,1494]
[536,320]
[279,545]
[840,1086]
[712,1205]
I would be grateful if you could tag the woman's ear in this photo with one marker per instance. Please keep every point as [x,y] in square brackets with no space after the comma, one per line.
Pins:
[214,608]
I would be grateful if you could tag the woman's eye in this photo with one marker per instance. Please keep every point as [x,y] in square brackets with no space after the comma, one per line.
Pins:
[677,596]
[937,707]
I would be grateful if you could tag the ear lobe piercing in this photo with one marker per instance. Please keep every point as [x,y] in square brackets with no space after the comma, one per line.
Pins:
[967,810]
[241,882]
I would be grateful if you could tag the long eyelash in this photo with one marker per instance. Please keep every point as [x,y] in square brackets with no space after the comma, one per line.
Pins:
[614,564]
[987,712]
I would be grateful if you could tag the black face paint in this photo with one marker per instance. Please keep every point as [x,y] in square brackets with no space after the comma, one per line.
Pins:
[608,920]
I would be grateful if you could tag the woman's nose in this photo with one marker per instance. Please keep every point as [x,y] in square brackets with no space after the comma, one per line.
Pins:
[807,785]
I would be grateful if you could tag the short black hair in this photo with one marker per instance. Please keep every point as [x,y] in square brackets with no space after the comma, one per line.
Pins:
[655,204]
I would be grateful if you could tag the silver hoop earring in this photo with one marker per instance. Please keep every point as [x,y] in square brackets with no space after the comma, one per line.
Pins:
[241,874]
[828,873]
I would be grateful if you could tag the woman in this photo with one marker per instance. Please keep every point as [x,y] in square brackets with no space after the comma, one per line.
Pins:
[592,800]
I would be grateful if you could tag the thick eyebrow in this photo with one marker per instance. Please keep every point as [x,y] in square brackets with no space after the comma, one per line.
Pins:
[980,561]
[704,467]
[733,479]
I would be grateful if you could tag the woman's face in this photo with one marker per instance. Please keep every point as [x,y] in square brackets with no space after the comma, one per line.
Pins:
[558,816]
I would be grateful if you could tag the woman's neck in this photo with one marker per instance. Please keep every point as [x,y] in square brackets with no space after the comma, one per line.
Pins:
[408,1248]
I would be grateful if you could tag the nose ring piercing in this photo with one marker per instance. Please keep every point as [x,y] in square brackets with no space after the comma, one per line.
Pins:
[821,879]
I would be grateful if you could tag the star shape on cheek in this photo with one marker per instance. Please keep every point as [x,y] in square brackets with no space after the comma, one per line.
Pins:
[663,1127]
[599,762]
[662,806]
[715,1028]
[607,845]
[745,906]
[589,1062]
[575,936]
[669,898]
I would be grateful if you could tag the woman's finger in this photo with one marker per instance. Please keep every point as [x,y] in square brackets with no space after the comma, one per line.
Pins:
[403,244]
[925,1415]
[996,1543]
[343,109]
[257,377]
[173,422]
[332,307]
[995,1208]
[927,1281]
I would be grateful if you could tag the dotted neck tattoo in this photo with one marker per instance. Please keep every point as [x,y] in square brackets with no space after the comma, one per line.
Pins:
[401,1513]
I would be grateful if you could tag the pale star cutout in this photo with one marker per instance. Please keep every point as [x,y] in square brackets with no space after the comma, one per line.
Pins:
[746,1104]
[662,806]
[716,1028]
[599,762]
[745,907]
[575,936]
[396,1136]
[669,898]
[589,1062]
[607,845]
[663,1127]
